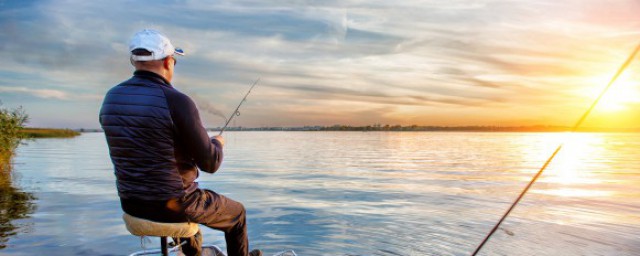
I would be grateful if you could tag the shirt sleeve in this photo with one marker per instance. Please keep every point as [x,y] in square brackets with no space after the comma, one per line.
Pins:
[206,152]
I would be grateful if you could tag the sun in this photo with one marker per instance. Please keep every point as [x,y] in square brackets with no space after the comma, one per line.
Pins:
[624,92]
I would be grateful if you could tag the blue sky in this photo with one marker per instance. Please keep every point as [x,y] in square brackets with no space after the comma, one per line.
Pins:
[485,62]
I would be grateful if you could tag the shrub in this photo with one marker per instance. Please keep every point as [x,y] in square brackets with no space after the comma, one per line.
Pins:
[11,123]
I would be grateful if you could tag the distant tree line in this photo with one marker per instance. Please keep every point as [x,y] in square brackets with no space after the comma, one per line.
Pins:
[378,127]
[442,128]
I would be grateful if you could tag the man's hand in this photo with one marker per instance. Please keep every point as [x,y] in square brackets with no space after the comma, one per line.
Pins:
[220,139]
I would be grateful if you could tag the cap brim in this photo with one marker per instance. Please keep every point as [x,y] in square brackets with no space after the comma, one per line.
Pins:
[142,58]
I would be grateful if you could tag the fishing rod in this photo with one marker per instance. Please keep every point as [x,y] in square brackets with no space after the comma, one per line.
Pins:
[236,112]
[575,128]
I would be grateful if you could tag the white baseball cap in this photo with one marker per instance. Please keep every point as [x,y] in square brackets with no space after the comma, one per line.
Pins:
[154,42]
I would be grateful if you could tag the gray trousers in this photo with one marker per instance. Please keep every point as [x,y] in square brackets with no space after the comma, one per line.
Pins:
[221,213]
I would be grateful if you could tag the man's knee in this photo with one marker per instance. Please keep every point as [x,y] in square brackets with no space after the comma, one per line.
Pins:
[238,208]
[243,211]
[242,215]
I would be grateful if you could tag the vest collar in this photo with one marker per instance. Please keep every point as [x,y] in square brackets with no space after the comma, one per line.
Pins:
[151,76]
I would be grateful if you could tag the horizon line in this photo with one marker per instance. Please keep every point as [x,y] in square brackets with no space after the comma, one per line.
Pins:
[377,127]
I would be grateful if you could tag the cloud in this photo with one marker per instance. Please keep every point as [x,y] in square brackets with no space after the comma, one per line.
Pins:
[50,94]
[482,58]
[44,93]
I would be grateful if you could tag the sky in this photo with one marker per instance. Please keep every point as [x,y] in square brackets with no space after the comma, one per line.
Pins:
[350,62]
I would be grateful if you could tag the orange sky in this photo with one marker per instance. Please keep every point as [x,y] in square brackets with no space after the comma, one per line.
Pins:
[487,62]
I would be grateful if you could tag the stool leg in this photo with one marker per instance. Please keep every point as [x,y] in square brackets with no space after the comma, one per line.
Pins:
[163,246]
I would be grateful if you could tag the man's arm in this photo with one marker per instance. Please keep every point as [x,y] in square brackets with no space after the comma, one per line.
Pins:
[206,152]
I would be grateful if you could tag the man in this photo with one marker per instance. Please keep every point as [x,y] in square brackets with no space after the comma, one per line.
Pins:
[157,143]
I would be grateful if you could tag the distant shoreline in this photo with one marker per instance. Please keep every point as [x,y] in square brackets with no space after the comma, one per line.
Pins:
[36,133]
[415,128]
[399,128]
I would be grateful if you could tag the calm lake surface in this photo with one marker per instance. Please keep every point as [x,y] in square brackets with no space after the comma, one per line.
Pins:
[354,193]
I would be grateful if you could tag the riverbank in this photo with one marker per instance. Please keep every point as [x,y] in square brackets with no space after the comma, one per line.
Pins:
[48,133]
[12,137]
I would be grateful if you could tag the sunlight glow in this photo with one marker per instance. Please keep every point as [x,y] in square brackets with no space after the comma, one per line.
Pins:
[574,192]
[567,175]
[570,159]
[623,92]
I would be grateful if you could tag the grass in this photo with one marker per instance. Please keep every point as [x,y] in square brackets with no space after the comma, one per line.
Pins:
[48,133]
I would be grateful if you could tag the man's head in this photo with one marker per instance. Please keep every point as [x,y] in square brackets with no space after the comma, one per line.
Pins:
[152,51]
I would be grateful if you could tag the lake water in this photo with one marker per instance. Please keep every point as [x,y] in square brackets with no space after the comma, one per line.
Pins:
[353,193]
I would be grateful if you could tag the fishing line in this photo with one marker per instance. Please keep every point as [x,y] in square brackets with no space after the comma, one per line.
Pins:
[236,112]
[575,128]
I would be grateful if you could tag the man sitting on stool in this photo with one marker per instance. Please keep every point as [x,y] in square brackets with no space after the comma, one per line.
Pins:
[157,143]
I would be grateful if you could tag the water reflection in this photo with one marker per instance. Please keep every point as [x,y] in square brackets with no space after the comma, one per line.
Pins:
[571,172]
[14,204]
[349,193]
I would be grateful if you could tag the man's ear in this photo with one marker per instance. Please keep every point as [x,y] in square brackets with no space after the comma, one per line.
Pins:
[166,63]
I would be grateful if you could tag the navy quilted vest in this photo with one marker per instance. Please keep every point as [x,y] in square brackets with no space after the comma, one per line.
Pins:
[137,123]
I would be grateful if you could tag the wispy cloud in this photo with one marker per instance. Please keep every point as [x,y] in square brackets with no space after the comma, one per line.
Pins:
[40,93]
[481,62]
[50,94]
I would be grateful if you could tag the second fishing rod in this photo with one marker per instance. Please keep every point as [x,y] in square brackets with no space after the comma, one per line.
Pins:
[546,164]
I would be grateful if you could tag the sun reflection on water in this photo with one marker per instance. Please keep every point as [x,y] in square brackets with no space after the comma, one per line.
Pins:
[568,175]
[574,192]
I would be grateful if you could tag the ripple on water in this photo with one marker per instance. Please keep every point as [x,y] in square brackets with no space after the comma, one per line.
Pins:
[361,194]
